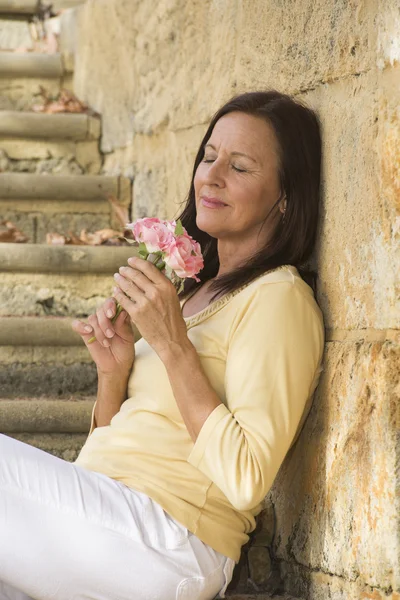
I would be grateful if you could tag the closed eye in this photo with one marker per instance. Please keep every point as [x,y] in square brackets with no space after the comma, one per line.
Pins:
[233,166]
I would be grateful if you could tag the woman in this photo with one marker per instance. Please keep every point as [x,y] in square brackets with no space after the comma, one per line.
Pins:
[191,423]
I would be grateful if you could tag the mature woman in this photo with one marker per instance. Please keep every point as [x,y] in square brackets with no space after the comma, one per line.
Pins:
[193,421]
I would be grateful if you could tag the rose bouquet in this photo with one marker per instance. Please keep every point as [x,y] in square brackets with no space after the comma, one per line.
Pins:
[169,247]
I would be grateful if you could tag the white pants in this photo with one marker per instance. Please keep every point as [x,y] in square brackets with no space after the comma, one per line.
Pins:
[67,533]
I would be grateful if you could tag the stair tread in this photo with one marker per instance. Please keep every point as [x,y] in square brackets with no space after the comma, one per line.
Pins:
[31,64]
[19,7]
[46,258]
[60,126]
[60,187]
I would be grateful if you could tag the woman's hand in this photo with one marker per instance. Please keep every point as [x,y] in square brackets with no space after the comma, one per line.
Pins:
[152,304]
[113,351]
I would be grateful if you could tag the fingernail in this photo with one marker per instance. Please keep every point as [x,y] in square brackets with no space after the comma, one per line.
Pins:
[106,343]
[109,313]
[88,328]
[117,276]
[109,333]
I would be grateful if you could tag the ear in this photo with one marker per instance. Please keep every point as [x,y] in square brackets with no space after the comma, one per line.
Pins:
[283,208]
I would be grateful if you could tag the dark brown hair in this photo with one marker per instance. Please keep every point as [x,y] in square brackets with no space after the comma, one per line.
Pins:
[297,131]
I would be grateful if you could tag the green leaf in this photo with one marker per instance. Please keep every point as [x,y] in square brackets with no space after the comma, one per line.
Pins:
[143,250]
[179,228]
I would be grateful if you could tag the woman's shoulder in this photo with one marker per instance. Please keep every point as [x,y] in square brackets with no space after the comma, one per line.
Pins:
[281,286]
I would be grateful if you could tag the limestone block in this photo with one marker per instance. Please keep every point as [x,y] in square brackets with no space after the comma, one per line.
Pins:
[177,63]
[14,34]
[335,495]
[19,7]
[64,445]
[293,45]
[358,244]
[265,530]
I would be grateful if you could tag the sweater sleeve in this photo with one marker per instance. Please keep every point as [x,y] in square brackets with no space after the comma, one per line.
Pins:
[273,362]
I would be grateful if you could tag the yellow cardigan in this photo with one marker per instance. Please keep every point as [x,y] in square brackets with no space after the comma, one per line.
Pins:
[261,348]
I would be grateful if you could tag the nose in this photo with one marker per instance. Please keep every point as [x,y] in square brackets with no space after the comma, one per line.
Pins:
[215,173]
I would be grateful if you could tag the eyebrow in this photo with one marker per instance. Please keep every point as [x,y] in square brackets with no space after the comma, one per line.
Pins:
[232,153]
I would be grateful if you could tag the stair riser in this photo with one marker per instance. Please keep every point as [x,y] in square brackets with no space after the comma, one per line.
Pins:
[43,156]
[47,379]
[35,225]
[40,294]
[66,446]
[45,416]
[22,93]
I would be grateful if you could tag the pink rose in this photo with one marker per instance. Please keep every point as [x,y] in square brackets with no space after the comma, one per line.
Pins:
[153,232]
[184,257]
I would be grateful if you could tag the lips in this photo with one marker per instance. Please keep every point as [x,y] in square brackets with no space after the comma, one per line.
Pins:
[212,202]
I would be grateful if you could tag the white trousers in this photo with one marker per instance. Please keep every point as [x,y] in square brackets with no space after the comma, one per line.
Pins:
[67,533]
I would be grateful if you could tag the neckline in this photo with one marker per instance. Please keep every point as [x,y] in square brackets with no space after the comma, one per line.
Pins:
[220,302]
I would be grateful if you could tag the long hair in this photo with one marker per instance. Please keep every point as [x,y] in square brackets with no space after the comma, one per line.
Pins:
[297,132]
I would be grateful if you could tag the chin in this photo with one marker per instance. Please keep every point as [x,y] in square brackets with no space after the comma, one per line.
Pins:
[211,229]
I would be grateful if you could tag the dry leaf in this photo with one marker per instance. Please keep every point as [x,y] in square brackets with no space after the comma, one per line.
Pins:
[56,239]
[9,233]
[66,101]
[121,212]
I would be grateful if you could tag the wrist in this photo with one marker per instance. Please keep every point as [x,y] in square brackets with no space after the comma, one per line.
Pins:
[176,353]
[114,377]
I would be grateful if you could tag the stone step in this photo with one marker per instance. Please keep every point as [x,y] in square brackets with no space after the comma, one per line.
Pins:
[39,280]
[44,356]
[45,415]
[24,74]
[63,126]
[40,204]
[31,65]
[89,188]
[19,7]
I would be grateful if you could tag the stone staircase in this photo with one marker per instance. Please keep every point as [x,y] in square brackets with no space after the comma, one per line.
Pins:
[50,181]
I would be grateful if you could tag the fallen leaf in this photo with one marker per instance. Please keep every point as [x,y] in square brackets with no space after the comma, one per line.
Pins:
[65,101]
[121,212]
[10,233]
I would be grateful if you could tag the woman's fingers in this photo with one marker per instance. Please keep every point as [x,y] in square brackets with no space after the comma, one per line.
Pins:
[81,327]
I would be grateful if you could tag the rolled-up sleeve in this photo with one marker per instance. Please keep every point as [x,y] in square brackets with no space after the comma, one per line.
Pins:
[272,368]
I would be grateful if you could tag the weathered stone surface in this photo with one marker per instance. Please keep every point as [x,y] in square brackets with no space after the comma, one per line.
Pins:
[45,415]
[49,379]
[297,45]
[182,65]
[335,496]
[64,445]
[35,225]
[21,93]
[61,295]
[359,279]
[265,530]
[260,566]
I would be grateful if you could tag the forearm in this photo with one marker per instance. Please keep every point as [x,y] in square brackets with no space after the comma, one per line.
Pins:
[194,395]
[111,393]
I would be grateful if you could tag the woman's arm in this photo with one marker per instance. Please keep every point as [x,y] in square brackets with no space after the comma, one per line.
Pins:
[195,397]
[111,393]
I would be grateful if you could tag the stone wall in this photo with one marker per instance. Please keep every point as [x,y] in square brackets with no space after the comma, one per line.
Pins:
[156,72]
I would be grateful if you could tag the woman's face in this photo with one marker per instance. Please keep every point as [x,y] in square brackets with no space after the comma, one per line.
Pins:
[240,170]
